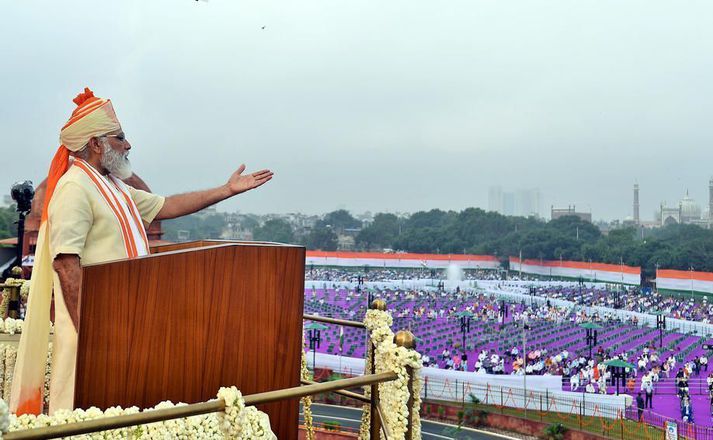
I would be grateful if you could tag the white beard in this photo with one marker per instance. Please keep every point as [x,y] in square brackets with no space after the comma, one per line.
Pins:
[116,163]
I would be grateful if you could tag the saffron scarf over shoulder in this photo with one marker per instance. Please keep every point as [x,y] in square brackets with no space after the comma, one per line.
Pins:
[92,117]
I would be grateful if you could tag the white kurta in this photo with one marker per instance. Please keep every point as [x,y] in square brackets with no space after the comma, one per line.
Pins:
[82,223]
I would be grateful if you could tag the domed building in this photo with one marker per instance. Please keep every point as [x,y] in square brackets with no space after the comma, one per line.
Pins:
[687,212]
[690,210]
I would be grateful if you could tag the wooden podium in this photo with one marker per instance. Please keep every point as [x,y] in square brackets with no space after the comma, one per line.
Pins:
[190,318]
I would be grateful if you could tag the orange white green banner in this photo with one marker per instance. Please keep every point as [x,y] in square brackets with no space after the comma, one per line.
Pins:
[684,280]
[589,271]
[402,260]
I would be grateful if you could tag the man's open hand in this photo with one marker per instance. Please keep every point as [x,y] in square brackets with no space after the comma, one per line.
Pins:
[239,183]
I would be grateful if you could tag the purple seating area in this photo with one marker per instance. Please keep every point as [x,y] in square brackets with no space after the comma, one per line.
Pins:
[432,320]
[633,299]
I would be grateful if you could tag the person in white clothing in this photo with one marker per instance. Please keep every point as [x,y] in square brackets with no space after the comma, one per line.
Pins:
[574,382]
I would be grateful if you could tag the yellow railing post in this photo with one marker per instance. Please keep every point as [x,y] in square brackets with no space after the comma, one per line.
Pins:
[405,338]
[375,420]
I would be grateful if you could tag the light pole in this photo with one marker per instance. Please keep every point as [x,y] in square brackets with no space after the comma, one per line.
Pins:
[591,334]
[369,295]
[520,265]
[503,312]
[621,263]
[465,318]
[618,373]
[660,324]
[441,289]
[314,335]
[525,327]
[656,275]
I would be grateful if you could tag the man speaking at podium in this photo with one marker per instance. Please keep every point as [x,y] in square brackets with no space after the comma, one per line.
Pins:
[89,216]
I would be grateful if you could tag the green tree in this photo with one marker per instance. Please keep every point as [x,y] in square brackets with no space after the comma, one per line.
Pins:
[8,217]
[249,222]
[323,239]
[274,230]
[199,226]
[381,233]
[339,221]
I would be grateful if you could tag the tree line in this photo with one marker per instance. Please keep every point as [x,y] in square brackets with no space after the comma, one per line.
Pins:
[476,231]
[8,217]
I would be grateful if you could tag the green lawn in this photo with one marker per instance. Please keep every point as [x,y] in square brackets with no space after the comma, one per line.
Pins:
[609,428]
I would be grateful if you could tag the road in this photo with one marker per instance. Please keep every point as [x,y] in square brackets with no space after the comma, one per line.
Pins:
[350,417]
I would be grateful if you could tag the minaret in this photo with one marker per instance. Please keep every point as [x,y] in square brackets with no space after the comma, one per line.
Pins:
[636,202]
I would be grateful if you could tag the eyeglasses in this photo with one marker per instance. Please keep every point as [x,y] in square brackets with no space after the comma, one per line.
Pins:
[121,137]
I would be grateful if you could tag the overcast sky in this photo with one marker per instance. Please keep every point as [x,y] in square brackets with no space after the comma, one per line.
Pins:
[376,105]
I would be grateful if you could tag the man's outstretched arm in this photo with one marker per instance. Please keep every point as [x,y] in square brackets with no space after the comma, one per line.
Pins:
[188,203]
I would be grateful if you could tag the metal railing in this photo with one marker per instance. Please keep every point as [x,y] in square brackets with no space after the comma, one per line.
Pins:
[194,409]
[627,423]
[327,320]
[307,389]
[376,420]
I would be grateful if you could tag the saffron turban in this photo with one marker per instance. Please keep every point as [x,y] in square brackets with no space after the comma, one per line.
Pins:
[93,117]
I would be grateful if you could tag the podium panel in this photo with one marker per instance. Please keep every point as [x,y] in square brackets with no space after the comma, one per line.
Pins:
[179,324]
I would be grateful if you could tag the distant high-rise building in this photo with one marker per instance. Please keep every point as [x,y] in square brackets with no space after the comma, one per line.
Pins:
[528,202]
[495,199]
[637,220]
[522,202]
[508,204]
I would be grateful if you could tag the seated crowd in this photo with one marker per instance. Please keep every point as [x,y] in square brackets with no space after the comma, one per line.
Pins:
[555,344]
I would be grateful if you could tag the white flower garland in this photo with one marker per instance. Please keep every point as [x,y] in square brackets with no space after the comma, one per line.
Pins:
[25,290]
[24,293]
[364,427]
[4,304]
[48,375]
[11,326]
[307,400]
[237,422]
[2,371]
[4,417]
[10,358]
[241,422]
[394,395]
